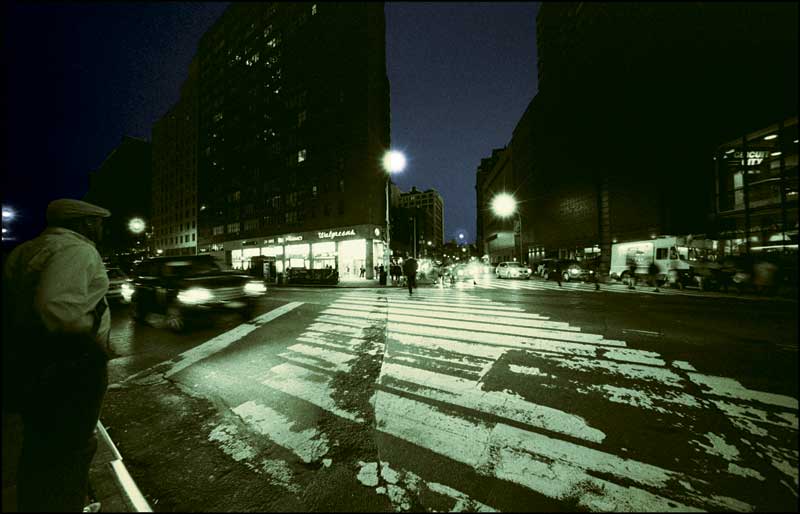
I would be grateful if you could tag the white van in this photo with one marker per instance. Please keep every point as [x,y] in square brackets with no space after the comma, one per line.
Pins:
[668,252]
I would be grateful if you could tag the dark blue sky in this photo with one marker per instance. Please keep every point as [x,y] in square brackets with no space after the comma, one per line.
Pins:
[80,76]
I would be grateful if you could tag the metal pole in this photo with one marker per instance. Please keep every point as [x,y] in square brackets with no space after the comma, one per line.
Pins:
[415,235]
[387,255]
[521,256]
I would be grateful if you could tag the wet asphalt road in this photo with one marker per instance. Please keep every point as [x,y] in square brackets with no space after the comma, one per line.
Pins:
[500,395]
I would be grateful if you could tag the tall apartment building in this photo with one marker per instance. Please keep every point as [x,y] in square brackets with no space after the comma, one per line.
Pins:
[293,121]
[427,208]
[122,185]
[174,191]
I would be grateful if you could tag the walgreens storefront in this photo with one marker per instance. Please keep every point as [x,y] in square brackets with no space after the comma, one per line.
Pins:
[346,249]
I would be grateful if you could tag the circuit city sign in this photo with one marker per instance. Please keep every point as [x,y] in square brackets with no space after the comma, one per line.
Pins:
[332,234]
[754,157]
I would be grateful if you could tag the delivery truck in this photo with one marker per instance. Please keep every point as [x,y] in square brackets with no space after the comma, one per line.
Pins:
[670,253]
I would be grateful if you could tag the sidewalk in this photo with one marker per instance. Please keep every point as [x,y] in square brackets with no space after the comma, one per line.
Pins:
[112,485]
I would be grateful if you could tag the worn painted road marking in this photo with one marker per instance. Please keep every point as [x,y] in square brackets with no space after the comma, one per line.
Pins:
[184,360]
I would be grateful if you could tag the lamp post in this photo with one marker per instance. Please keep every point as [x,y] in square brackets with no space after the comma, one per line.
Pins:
[393,162]
[505,205]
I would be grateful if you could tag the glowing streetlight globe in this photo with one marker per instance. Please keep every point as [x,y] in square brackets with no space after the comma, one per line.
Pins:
[394,161]
[504,205]
[8,214]
[136,225]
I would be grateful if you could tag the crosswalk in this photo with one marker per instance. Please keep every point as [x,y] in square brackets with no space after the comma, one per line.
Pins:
[519,398]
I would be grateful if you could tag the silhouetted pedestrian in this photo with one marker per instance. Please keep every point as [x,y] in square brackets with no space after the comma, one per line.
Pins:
[557,272]
[55,334]
[410,270]
[594,272]
[653,270]
[631,262]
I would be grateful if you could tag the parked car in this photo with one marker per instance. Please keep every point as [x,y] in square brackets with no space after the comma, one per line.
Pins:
[512,270]
[184,288]
[120,287]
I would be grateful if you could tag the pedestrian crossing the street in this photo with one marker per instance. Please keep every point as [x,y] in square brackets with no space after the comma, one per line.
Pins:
[536,284]
[551,285]
[519,398]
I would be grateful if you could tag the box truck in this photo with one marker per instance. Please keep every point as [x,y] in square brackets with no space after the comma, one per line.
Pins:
[670,253]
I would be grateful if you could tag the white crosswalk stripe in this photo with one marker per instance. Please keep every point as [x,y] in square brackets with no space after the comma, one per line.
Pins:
[441,359]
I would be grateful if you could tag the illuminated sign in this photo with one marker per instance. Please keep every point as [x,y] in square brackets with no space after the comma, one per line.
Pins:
[294,238]
[331,234]
[754,157]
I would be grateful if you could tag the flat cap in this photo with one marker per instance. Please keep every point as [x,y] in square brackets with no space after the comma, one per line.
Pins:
[67,208]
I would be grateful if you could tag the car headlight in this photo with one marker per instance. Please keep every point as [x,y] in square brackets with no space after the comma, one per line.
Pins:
[126,290]
[195,295]
[574,271]
[530,270]
[255,288]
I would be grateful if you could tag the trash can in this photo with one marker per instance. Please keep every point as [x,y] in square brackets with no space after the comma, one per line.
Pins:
[382,278]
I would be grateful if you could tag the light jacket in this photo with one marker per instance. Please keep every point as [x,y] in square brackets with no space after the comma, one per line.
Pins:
[55,281]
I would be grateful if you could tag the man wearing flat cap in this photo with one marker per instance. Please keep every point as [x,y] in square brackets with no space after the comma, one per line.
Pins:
[56,325]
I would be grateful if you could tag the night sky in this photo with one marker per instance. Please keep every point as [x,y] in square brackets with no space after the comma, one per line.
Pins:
[80,76]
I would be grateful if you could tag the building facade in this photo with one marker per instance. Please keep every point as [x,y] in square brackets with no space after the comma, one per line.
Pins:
[122,185]
[174,190]
[500,241]
[293,121]
[426,210]
[756,191]
[633,101]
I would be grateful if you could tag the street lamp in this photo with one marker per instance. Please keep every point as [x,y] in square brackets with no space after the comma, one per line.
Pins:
[393,162]
[505,205]
[136,225]
[8,215]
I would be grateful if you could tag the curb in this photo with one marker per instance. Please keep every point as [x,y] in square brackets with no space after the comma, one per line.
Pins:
[125,487]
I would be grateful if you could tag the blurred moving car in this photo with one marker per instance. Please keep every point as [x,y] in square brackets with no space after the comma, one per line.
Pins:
[541,267]
[120,287]
[574,270]
[512,270]
[184,288]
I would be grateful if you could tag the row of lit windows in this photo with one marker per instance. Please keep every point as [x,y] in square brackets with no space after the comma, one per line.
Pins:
[176,240]
[288,217]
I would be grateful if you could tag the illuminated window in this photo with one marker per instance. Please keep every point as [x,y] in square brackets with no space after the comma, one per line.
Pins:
[233,228]
[219,229]
[313,9]
[301,118]
[301,155]
[341,186]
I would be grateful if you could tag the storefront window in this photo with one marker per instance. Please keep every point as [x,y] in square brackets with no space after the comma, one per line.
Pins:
[297,255]
[352,257]
[323,255]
